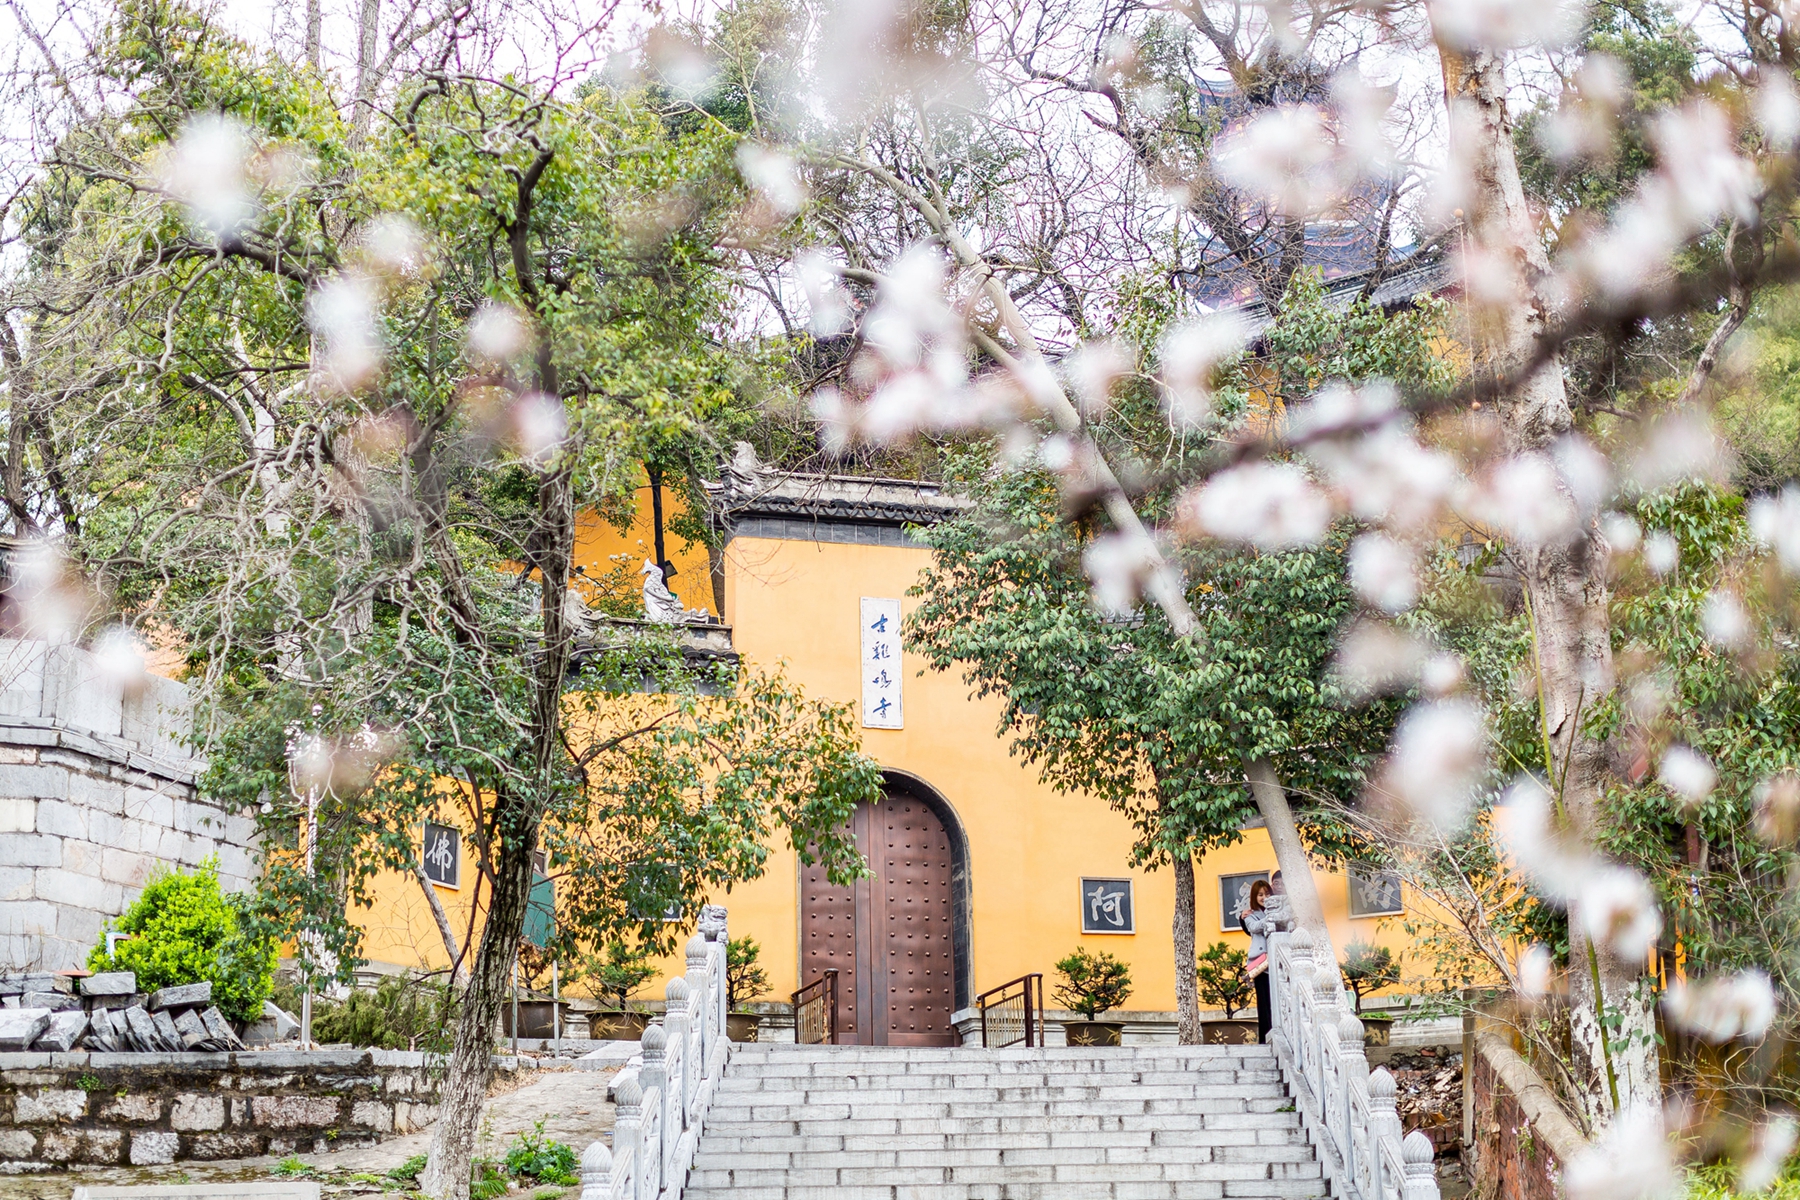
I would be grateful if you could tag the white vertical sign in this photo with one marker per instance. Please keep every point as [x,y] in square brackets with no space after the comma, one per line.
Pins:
[881,664]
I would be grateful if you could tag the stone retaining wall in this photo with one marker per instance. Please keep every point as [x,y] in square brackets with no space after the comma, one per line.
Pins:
[1521,1137]
[139,1109]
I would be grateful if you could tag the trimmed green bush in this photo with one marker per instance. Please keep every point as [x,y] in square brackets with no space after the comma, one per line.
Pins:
[1092,983]
[184,929]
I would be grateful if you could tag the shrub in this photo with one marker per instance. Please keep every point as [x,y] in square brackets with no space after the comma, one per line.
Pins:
[543,1159]
[1220,973]
[1368,969]
[744,980]
[400,1014]
[1092,983]
[619,972]
[186,930]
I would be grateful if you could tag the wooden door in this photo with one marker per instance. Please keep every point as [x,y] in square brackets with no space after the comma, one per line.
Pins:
[891,938]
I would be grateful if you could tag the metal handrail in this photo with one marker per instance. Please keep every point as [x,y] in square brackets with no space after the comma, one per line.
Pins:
[1027,1002]
[815,1011]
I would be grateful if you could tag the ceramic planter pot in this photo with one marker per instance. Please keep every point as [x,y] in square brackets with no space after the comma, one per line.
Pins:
[1377,1030]
[1093,1033]
[535,1019]
[742,1027]
[1233,1031]
[617,1026]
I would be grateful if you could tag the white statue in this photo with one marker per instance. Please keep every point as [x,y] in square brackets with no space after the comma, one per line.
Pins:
[660,605]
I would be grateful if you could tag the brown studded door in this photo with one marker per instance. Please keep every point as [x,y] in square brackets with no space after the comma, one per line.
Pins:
[891,937]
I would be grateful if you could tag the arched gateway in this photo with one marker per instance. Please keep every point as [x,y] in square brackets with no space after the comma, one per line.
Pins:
[899,941]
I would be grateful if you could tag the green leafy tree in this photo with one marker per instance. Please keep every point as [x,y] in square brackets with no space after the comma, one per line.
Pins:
[618,971]
[1092,983]
[744,979]
[183,929]
[1367,969]
[1220,971]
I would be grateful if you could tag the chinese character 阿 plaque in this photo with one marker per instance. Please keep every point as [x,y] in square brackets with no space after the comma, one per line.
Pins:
[442,856]
[1106,906]
[881,664]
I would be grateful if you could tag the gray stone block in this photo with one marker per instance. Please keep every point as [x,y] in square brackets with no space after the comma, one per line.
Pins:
[30,850]
[54,1001]
[223,1036]
[34,981]
[49,1104]
[64,1030]
[276,1025]
[17,1144]
[103,1034]
[116,1003]
[149,1149]
[140,1031]
[186,995]
[110,983]
[194,1113]
[19,1027]
[167,1034]
[193,1031]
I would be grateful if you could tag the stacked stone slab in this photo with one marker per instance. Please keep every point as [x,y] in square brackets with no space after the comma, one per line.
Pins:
[109,1014]
[97,787]
[1122,1123]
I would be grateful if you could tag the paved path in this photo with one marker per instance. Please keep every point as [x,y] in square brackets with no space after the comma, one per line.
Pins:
[571,1104]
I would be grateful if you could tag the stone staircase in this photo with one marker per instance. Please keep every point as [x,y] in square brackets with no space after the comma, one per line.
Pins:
[884,1123]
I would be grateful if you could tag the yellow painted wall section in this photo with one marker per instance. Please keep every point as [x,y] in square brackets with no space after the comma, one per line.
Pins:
[600,547]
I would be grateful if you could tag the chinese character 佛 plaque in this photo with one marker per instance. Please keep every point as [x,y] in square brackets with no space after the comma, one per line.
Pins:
[881,664]
[442,855]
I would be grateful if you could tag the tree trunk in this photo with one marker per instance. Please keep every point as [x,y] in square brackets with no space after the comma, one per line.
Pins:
[368,29]
[1296,869]
[471,1067]
[315,30]
[1187,988]
[1564,584]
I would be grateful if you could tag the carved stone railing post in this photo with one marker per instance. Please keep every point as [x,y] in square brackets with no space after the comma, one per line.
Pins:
[627,1140]
[662,1100]
[1347,1110]
[652,1079]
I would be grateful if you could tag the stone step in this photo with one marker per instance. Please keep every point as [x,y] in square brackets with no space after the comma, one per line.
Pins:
[751,1140]
[1177,1189]
[919,1155]
[1073,1171]
[772,1109]
[1111,1056]
[782,1075]
[1099,1090]
[738,1126]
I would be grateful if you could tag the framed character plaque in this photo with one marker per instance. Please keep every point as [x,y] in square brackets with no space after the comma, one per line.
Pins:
[1234,898]
[1374,893]
[441,855]
[1106,906]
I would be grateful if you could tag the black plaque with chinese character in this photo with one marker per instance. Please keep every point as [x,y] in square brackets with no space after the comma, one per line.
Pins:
[1106,906]
[1374,893]
[442,855]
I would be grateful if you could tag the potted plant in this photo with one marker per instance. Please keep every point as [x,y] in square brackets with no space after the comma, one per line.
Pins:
[616,974]
[1223,985]
[1092,984]
[744,982]
[1368,969]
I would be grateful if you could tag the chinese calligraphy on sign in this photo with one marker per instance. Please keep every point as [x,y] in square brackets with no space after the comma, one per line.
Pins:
[881,664]
[442,856]
[1106,906]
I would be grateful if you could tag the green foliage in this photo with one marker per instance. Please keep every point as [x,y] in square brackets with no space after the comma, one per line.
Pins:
[1220,974]
[487,1181]
[291,1167]
[409,1169]
[399,1014]
[1311,343]
[744,979]
[540,1158]
[185,930]
[1092,983]
[618,971]
[1368,968]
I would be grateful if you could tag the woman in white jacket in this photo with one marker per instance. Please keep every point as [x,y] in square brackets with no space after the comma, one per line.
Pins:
[1258,925]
